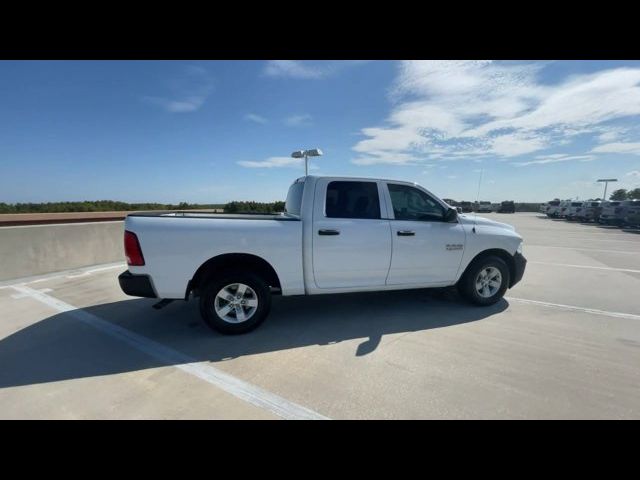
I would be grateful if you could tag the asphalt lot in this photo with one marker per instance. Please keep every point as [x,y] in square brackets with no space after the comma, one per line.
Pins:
[564,343]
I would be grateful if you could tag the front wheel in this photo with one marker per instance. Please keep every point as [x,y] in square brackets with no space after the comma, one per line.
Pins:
[485,281]
[235,303]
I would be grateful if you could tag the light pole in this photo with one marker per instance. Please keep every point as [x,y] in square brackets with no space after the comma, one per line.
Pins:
[316,152]
[606,183]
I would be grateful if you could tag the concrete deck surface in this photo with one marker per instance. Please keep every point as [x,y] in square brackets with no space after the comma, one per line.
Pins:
[565,343]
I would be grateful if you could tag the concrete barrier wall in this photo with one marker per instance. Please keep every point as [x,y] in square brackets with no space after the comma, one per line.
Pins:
[33,250]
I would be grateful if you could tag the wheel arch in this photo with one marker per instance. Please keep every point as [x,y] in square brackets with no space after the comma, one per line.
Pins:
[495,252]
[234,261]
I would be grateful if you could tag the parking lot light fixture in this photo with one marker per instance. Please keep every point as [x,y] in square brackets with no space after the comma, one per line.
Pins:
[316,152]
[606,183]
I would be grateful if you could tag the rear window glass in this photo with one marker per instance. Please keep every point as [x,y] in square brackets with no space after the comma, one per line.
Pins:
[293,204]
[576,204]
[353,200]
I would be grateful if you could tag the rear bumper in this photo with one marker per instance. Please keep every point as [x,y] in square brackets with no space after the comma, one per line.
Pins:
[136,285]
[520,264]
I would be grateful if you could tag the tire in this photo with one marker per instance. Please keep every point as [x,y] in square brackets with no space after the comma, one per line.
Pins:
[256,291]
[467,284]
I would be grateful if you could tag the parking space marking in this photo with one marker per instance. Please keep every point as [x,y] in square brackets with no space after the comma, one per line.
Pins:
[582,239]
[574,308]
[585,249]
[629,270]
[76,272]
[230,384]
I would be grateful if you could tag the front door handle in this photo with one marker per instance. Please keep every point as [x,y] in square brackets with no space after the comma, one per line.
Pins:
[328,232]
[406,233]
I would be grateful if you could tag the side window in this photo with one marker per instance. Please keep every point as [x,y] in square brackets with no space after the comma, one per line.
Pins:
[409,203]
[352,200]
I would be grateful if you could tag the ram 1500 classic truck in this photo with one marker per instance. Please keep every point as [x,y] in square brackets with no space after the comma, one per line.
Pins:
[337,235]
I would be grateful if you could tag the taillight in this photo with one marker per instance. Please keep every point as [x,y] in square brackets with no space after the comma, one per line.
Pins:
[132,249]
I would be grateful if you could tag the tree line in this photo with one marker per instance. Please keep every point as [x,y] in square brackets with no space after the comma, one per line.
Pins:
[254,207]
[624,194]
[116,206]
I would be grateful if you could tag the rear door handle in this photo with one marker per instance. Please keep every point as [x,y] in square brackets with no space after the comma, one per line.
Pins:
[328,232]
[406,233]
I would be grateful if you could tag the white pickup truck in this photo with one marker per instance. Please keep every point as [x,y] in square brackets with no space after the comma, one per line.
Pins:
[337,235]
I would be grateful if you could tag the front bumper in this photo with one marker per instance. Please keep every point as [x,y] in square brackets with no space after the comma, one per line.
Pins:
[519,263]
[136,285]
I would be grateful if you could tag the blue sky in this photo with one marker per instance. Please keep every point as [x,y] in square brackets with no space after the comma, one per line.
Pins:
[215,131]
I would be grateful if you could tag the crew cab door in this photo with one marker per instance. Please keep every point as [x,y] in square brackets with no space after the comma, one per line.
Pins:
[426,248]
[351,238]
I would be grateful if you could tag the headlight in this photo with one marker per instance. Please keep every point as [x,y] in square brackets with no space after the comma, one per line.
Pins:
[519,249]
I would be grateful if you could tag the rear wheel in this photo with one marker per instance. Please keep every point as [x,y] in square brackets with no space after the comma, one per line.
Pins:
[235,303]
[485,281]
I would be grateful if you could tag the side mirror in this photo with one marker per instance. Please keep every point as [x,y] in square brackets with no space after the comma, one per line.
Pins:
[451,215]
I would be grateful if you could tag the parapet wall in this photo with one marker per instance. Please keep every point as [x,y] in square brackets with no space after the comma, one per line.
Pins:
[38,249]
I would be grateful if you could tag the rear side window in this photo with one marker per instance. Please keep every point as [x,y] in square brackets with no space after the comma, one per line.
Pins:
[352,200]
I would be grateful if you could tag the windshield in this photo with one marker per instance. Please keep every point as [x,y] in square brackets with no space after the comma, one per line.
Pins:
[293,204]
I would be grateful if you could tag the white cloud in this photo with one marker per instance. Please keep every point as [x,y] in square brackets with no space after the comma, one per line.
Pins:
[391,159]
[555,158]
[512,145]
[306,70]
[293,69]
[253,117]
[303,120]
[611,134]
[634,174]
[188,90]
[618,147]
[273,162]
[470,109]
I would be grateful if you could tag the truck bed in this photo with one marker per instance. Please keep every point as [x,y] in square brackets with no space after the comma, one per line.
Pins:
[225,216]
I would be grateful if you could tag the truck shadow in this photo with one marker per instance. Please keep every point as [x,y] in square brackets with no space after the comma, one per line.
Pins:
[64,347]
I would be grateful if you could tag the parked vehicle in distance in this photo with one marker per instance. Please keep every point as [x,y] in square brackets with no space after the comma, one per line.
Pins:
[574,209]
[337,235]
[484,207]
[467,207]
[564,207]
[451,203]
[507,207]
[611,213]
[632,217]
[590,211]
[543,208]
[553,209]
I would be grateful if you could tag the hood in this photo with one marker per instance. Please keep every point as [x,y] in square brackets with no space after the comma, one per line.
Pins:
[470,219]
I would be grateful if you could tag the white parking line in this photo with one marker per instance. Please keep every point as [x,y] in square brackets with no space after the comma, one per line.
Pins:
[76,272]
[629,270]
[594,311]
[230,384]
[583,239]
[585,249]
